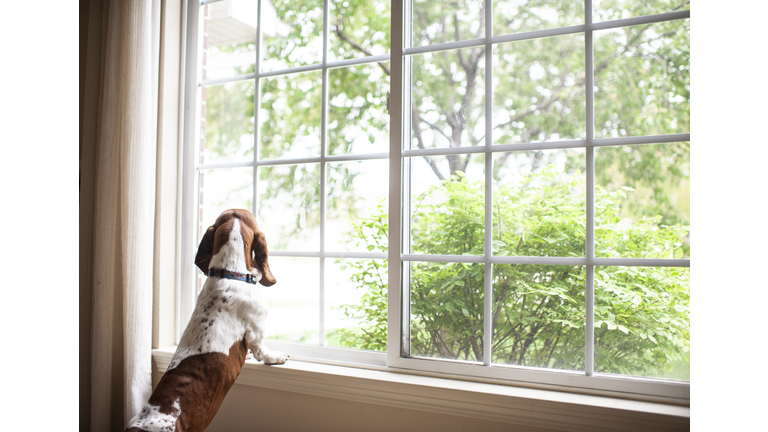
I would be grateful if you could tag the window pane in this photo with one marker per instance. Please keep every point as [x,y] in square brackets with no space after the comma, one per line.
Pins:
[290,116]
[447,310]
[607,10]
[539,316]
[448,94]
[440,21]
[447,205]
[358,121]
[539,92]
[294,301]
[358,29]
[539,203]
[642,321]
[357,206]
[289,206]
[224,189]
[356,304]
[642,80]
[227,122]
[642,201]
[293,32]
[517,16]
[229,39]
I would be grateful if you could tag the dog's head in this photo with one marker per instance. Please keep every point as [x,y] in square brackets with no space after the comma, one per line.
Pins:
[218,234]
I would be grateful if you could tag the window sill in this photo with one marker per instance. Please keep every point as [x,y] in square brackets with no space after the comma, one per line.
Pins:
[502,403]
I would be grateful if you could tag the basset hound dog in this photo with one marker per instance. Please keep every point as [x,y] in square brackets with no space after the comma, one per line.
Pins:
[228,320]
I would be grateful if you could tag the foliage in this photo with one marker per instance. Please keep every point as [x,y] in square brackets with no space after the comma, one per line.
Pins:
[641,314]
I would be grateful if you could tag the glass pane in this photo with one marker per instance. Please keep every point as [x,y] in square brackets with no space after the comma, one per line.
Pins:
[227,122]
[607,10]
[358,29]
[229,39]
[539,92]
[517,16]
[358,121]
[224,189]
[290,116]
[440,21]
[539,203]
[642,80]
[294,301]
[448,97]
[447,205]
[642,201]
[539,316]
[642,321]
[356,207]
[289,206]
[293,33]
[356,304]
[447,310]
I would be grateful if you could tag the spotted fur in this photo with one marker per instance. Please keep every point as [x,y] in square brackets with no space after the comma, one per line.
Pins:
[228,320]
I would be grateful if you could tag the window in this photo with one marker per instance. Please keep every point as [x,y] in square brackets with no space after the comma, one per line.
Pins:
[516,209]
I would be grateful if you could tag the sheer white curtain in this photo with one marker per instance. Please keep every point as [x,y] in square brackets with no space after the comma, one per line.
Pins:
[118,141]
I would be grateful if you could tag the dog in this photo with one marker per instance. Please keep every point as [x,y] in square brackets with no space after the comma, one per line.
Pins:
[228,320]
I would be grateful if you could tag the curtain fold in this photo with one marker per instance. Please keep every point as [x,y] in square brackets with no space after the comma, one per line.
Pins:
[117,198]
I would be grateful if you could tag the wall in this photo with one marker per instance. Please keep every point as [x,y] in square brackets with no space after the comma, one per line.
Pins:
[248,408]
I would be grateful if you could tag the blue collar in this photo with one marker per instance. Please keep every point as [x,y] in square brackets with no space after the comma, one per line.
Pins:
[245,277]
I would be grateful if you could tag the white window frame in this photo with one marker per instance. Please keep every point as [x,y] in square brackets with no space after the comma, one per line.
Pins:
[397,356]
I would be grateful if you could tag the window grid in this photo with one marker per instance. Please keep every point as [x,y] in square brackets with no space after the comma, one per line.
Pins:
[397,355]
[403,210]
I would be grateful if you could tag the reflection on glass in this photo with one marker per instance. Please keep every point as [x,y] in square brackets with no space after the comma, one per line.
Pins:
[356,206]
[358,29]
[356,304]
[539,92]
[517,16]
[539,316]
[607,10]
[448,94]
[642,80]
[642,321]
[290,116]
[357,109]
[539,203]
[229,38]
[289,206]
[224,189]
[227,122]
[440,21]
[642,201]
[294,301]
[447,310]
[447,205]
[293,33]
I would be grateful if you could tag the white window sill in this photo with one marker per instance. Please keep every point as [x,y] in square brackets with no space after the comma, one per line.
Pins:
[502,403]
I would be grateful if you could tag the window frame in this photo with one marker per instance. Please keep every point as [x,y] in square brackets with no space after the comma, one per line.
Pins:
[397,356]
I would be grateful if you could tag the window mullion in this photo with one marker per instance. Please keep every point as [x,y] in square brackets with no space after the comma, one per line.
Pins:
[589,295]
[323,169]
[488,280]
[395,314]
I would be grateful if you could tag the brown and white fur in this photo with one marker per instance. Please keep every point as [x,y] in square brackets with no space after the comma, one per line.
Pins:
[227,321]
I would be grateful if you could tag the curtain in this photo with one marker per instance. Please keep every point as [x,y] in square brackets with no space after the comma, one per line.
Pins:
[117,196]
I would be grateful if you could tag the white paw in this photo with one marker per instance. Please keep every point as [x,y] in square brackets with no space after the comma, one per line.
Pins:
[274,358]
[249,355]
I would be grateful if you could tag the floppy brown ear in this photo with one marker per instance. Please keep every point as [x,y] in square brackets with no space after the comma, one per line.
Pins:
[205,251]
[261,258]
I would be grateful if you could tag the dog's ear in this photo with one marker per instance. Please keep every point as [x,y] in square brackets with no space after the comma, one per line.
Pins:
[261,258]
[205,251]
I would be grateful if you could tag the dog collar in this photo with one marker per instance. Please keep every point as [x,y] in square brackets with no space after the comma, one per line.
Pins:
[245,277]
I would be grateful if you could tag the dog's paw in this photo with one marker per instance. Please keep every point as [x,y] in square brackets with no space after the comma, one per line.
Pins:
[248,355]
[275,358]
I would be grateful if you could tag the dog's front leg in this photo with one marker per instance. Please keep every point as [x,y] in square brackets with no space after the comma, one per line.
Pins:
[260,350]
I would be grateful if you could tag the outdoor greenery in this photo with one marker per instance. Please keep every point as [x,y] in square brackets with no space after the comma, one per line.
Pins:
[642,87]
